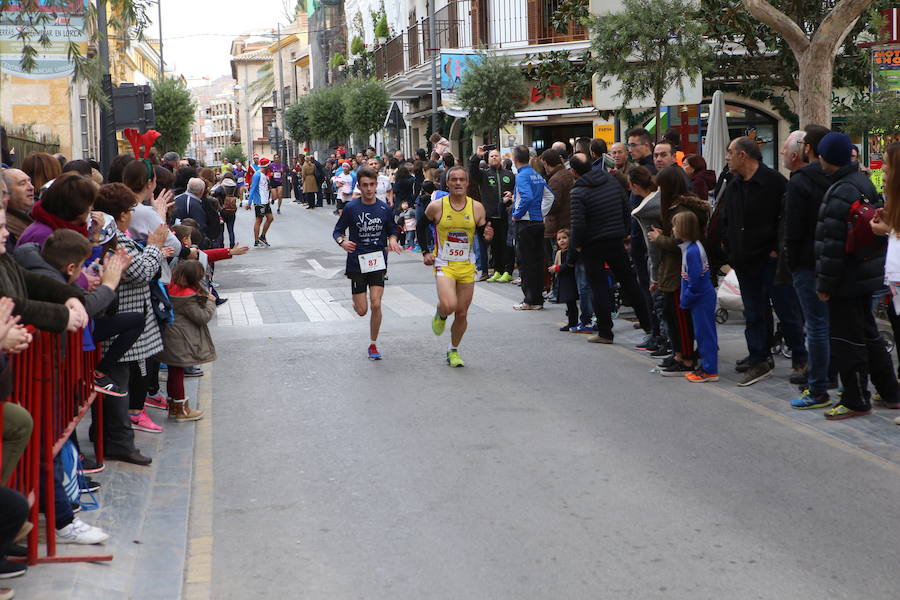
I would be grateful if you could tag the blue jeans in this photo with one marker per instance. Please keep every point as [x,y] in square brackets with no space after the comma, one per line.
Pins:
[756,286]
[584,291]
[481,253]
[818,342]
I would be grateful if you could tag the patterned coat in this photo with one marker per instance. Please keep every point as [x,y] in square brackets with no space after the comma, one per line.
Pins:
[134,296]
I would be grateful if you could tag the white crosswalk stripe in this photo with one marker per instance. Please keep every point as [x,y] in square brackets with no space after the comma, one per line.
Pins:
[241,309]
[319,305]
[491,301]
[405,304]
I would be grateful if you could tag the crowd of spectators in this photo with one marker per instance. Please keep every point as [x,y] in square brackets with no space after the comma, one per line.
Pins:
[127,259]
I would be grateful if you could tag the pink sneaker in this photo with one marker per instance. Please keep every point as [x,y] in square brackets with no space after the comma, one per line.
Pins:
[157,400]
[142,422]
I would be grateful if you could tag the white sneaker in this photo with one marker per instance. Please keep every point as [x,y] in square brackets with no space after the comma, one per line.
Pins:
[79,532]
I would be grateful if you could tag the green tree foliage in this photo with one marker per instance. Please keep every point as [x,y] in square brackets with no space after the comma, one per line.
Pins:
[571,74]
[365,107]
[325,110]
[650,47]
[491,92]
[755,61]
[234,153]
[296,120]
[174,110]
[878,113]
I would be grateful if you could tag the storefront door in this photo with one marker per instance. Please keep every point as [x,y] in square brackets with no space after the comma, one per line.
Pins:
[543,136]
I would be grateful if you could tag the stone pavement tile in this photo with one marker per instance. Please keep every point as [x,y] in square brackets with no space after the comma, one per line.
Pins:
[145,511]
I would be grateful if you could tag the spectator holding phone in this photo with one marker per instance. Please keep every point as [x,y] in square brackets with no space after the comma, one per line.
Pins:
[495,186]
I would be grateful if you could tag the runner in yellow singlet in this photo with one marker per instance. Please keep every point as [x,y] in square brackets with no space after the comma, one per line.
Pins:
[453,221]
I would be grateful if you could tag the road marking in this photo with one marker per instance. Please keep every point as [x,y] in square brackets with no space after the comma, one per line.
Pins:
[327,304]
[198,562]
[404,303]
[319,305]
[312,312]
[320,271]
[491,301]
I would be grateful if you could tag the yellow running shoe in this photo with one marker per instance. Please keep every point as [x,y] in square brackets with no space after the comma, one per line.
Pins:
[453,359]
[438,323]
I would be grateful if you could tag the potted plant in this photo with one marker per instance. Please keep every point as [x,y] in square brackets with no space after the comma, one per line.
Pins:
[337,61]
[357,46]
[382,31]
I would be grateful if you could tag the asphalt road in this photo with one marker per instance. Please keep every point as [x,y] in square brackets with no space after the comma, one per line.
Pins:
[548,468]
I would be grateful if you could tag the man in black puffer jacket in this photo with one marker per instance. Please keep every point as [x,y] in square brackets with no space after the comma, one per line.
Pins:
[601,220]
[846,281]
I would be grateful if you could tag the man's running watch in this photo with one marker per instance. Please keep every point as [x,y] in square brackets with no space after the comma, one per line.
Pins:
[340,240]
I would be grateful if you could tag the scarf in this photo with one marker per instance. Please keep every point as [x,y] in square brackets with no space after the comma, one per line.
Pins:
[53,222]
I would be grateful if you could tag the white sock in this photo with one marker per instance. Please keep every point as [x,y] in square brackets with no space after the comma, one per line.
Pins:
[451,348]
[372,342]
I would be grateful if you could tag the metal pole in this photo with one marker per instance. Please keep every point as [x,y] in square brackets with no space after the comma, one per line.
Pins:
[283,147]
[162,63]
[108,146]
[432,42]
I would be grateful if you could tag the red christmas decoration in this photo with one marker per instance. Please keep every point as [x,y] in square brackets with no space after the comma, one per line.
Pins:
[138,141]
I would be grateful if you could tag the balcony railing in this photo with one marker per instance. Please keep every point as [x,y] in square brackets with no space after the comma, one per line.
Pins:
[393,56]
[519,23]
[380,71]
[412,46]
[468,23]
[452,25]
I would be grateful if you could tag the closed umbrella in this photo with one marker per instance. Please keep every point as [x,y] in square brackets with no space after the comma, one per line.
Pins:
[717,139]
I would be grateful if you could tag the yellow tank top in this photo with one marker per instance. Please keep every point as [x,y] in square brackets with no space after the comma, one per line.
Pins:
[455,233]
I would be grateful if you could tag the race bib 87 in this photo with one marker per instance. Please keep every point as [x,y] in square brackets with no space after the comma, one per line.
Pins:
[371,262]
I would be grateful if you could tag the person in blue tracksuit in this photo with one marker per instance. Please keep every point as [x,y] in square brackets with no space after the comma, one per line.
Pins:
[532,200]
[698,295]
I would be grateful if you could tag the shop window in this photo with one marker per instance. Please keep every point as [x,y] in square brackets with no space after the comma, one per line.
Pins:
[744,120]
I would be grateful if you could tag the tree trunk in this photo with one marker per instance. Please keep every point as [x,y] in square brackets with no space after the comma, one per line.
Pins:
[658,124]
[815,84]
[815,58]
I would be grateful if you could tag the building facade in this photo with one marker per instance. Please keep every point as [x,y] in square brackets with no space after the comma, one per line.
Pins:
[250,63]
[215,119]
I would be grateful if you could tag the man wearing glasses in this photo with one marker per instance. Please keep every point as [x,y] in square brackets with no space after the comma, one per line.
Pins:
[640,146]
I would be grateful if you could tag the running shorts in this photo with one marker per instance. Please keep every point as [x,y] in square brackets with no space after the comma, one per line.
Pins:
[360,282]
[262,209]
[461,272]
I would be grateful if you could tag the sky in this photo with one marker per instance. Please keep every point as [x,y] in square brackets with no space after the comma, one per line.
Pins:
[197,34]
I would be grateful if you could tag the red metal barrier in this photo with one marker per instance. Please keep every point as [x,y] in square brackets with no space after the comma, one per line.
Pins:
[53,381]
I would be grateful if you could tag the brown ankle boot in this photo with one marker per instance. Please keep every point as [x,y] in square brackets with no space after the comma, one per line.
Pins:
[181,412]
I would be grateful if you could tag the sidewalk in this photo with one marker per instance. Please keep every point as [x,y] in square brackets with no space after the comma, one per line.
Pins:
[145,512]
[876,434]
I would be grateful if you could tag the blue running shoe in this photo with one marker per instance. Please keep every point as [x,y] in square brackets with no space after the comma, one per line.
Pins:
[374,354]
[807,401]
[582,328]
